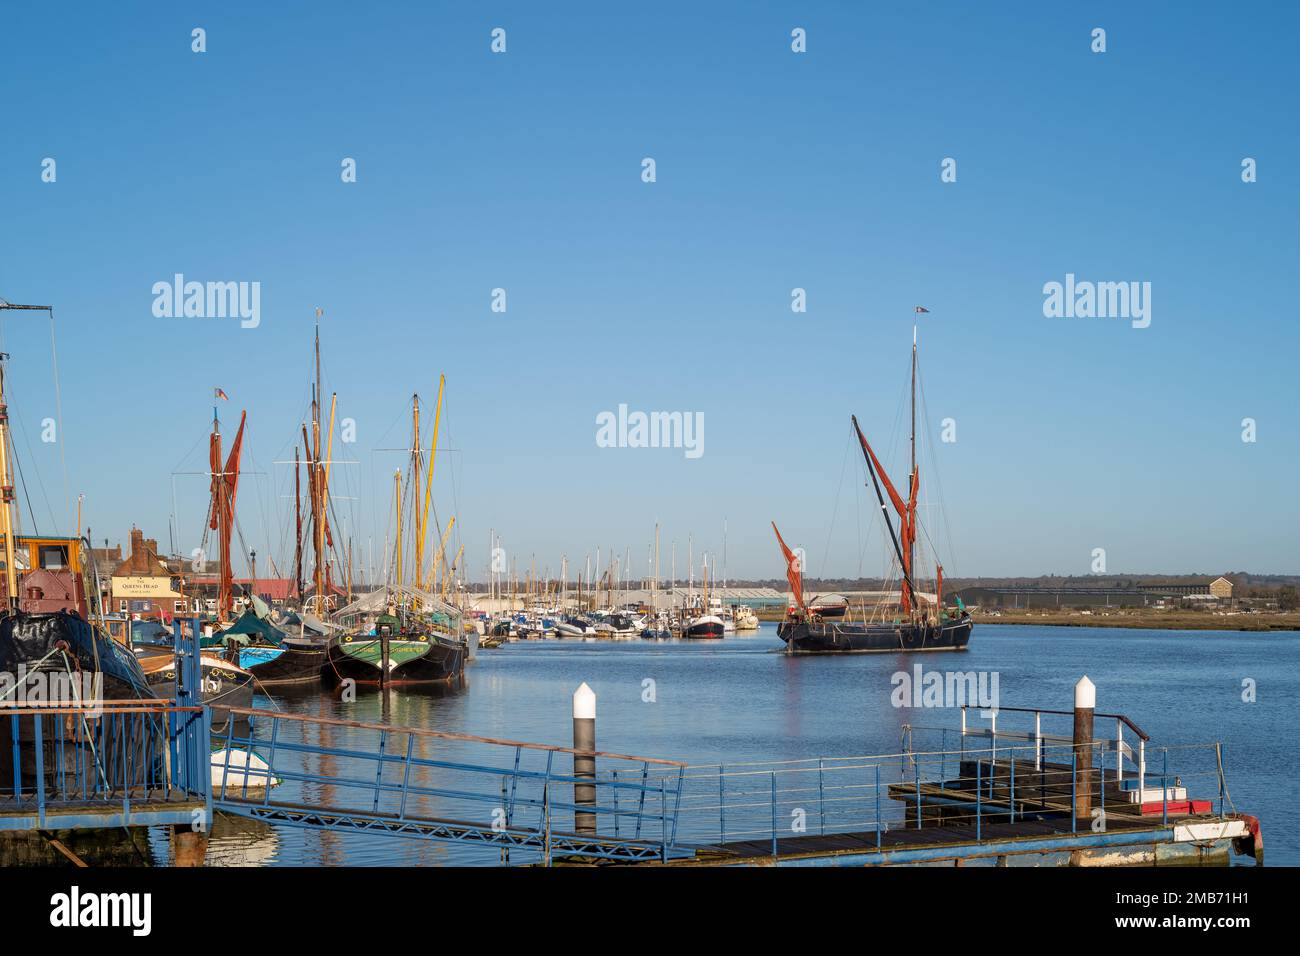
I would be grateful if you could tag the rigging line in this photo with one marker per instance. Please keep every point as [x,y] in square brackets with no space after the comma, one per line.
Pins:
[938,481]
[18,465]
[261,503]
[26,488]
[835,510]
[186,456]
[31,454]
[58,411]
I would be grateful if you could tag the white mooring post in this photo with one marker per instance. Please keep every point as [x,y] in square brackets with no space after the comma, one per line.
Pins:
[1119,751]
[1085,702]
[584,767]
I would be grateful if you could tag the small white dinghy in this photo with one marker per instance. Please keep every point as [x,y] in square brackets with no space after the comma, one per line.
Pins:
[237,769]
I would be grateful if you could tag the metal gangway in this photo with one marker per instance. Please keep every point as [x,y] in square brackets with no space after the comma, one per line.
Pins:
[522,799]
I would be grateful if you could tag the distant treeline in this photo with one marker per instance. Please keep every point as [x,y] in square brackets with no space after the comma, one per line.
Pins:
[1244,583]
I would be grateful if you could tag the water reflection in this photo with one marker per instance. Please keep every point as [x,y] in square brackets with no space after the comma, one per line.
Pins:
[739,700]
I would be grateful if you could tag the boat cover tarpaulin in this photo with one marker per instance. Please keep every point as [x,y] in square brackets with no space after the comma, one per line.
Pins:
[378,601]
[64,641]
[250,625]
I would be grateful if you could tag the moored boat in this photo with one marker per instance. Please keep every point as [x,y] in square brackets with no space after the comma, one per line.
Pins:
[225,684]
[398,650]
[918,622]
[745,618]
[706,626]
[72,664]
[275,657]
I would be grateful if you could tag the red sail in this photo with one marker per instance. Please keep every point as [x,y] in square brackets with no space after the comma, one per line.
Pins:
[899,505]
[792,574]
[232,462]
[906,516]
[225,485]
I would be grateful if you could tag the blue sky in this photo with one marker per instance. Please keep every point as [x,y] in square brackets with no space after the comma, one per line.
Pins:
[775,170]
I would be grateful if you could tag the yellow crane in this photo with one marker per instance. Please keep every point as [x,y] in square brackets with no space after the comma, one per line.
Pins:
[439,555]
[447,574]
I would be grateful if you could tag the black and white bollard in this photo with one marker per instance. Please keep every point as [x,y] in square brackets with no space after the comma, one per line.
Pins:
[1085,702]
[584,765]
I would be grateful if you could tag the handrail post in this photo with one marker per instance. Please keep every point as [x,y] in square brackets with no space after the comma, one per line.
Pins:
[1013,786]
[1223,785]
[663,820]
[40,770]
[1074,791]
[546,818]
[1119,751]
[1038,740]
[270,759]
[773,774]
[379,769]
[1164,790]
[406,776]
[722,805]
[18,762]
[1142,768]
[614,781]
[916,775]
[979,790]
[205,775]
[821,790]
[877,806]
[1101,781]
[677,802]
[640,805]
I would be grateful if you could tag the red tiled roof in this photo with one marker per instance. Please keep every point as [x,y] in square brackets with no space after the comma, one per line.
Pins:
[278,589]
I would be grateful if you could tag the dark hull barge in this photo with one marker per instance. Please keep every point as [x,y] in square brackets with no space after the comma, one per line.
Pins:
[827,637]
[71,663]
[426,659]
[296,661]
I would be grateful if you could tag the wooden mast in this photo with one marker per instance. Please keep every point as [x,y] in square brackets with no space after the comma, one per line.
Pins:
[397,506]
[297,511]
[317,486]
[418,573]
[7,495]
[428,481]
[911,491]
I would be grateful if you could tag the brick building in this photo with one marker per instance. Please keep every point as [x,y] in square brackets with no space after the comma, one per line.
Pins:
[143,585]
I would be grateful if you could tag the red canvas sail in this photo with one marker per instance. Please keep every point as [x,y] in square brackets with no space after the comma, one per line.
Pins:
[221,514]
[906,515]
[792,571]
[899,505]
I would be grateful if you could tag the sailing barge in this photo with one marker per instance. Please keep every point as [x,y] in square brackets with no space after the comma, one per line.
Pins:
[407,633]
[920,622]
[399,652]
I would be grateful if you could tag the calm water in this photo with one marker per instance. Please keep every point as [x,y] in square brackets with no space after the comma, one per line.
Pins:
[738,700]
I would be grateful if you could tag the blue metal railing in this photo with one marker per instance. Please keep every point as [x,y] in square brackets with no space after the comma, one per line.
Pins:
[99,763]
[88,762]
[774,804]
[508,795]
